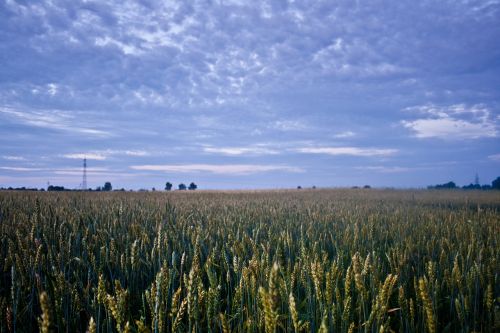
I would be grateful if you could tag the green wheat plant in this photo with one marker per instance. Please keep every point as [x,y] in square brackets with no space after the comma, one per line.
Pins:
[250,261]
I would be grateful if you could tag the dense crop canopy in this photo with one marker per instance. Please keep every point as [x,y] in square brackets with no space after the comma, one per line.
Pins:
[296,261]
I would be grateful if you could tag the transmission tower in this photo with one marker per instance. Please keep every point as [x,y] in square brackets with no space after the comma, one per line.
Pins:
[84,182]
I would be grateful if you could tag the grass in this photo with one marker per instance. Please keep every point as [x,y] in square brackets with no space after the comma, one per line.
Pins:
[263,261]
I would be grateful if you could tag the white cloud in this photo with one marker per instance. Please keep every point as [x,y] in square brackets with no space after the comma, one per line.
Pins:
[89,156]
[288,125]
[494,157]
[134,152]
[230,169]
[62,171]
[79,171]
[356,58]
[52,89]
[101,155]
[235,151]
[20,169]
[352,151]
[343,135]
[13,158]
[127,49]
[449,128]
[385,169]
[52,119]
[452,122]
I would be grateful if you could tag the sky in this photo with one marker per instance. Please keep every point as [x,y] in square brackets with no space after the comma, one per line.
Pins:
[235,94]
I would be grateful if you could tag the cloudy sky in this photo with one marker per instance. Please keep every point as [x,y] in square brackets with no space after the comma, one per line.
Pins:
[249,94]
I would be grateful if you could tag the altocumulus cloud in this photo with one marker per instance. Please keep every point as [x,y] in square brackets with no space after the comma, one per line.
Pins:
[457,121]
[262,88]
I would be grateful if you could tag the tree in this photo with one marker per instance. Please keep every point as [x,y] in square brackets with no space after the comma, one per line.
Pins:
[496,184]
[168,186]
[193,186]
[182,187]
[107,186]
[55,188]
[472,187]
[448,185]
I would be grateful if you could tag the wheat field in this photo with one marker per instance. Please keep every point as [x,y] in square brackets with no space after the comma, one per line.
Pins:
[263,261]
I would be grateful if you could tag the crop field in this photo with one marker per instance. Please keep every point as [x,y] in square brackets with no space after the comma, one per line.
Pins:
[265,261]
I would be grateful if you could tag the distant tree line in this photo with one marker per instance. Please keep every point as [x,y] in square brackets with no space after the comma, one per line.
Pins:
[20,189]
[495,185]
[106,188]
[181,187]
[54,188]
